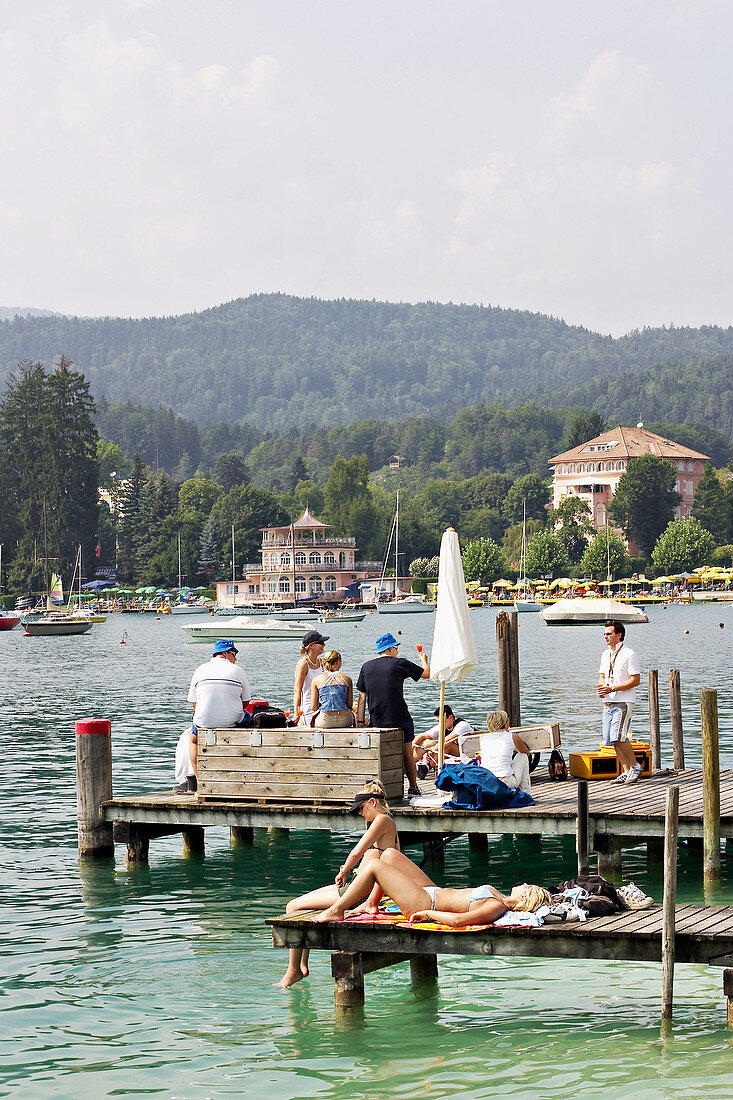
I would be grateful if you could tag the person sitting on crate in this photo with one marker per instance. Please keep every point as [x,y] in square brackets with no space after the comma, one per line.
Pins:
[219,692]
[425,745]
[504,753]
[332,695]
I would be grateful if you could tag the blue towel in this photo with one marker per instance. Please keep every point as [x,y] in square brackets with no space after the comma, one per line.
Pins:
[476,788]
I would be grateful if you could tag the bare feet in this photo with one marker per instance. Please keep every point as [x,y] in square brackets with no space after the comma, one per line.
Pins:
[365,909]
[290,977]
[332,913]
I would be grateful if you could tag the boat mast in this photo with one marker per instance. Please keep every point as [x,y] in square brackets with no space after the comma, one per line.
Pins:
[179,566]
[396,543]
[233,567]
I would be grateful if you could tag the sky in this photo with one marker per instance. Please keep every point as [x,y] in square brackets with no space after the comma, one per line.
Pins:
[570,158]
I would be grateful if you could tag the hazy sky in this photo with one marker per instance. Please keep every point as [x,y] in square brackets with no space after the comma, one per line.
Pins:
[564,157]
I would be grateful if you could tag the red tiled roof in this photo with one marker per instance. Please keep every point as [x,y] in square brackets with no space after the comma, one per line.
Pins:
[630,443]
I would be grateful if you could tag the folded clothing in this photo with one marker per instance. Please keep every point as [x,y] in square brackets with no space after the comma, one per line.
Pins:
[634,897]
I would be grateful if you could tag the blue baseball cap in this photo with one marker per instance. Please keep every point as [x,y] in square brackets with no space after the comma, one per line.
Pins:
[386,641]
[224,645]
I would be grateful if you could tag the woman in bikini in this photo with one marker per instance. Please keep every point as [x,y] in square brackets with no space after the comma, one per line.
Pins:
[332,695]
[380,841]
[420,902]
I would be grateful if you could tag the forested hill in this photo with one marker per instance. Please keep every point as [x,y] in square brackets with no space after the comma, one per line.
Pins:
[278,361]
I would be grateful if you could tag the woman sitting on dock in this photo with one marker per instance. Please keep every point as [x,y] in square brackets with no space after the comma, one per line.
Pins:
[380,841]
[425,901]
[306,670]
[504,753]
[332,695]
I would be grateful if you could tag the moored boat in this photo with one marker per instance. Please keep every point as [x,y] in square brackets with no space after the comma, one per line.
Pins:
[54,623]
[587,609]
[8,620]
[245,628]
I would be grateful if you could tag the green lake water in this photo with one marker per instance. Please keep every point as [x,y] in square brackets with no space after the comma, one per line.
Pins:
[158,981]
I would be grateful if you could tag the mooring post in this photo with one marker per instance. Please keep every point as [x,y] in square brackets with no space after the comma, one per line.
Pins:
[728,994]
[655,741]
[581,840]
[478,842]
[671,823]
[423,969]
[93,786]
[608,849]
[507,653]
[710,786]
[241,836]
[675,706]
[348,979]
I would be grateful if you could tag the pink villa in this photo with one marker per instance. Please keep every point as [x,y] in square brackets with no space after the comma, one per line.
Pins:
[299,561]
[593,470]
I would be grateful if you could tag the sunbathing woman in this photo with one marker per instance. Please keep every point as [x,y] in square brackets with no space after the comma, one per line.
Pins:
[379,839]
[419,902]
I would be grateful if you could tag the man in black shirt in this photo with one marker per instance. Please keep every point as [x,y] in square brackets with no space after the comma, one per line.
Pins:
[381,682]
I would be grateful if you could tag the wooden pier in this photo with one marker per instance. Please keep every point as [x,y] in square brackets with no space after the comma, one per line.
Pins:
[618,816]
[702,934]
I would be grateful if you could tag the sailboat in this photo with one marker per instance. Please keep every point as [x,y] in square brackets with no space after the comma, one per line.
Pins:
[53,623]
[400,604]
[524,601]
[184,605]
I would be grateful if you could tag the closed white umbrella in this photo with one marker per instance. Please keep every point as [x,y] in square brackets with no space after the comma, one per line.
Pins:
[453,655]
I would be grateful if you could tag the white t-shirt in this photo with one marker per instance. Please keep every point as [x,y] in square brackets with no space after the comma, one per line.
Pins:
[496,751]
[218,690]
[461,730]
[617,667]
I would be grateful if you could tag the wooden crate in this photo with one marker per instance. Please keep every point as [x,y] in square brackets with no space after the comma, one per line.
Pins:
[298,765]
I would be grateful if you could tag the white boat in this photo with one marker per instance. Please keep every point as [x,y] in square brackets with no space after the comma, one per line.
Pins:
[401,604]
[246,628]
[185,608]
[54,623]
[524,601]
[342,615]
[588,609]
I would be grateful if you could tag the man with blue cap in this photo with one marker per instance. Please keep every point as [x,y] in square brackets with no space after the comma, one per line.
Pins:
[219,693]
[381,682]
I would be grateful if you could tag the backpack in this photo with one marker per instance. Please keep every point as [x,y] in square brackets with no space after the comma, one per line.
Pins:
[556,766]
[269,718]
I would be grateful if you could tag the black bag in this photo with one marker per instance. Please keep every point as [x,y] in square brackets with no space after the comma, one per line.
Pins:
[269,718]
[598,887]
[556,766]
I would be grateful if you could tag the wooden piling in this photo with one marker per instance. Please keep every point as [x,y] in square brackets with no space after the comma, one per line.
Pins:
[193,840]
[608,849]
[348,979]
[675,706]
[424,969]
[507,653]
[728,994]
[93,787]
[581,838]
[671,824]
[655,741]
[710,786]
[241,836]
[478,842]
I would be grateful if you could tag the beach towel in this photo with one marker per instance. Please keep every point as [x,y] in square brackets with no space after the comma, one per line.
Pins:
[476,788]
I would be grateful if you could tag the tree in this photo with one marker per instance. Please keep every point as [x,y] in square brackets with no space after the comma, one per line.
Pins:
[110,460]
[230,471]
[298,471]
[209,548]
[645,500]
[198,494]
[605,548]
[248,509]
[512,542]
[483,561]
[132,535]
[584,426]
[574,517]
[531,490]
[682,546]
[546,555]
[712,506]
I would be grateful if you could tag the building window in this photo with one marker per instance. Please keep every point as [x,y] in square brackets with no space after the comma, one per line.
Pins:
[252,589]
[284,584]
[315,585]
[342,560]
[591,467]
[680,465]
[330,585]
[689,489]
[571,468]
[600,515]
[563,469]
[284,559]
[300,585]
[601,467]
[314,558]
[230,590]
[620,465]
[299,558]
[581,468]
[689,467]
[271,586]
[329,558]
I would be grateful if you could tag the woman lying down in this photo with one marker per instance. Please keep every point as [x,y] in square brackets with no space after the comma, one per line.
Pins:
[419,899]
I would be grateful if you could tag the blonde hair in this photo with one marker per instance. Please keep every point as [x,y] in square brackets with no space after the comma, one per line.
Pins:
[374,787]
[497,720]
[331,659]
[531,898]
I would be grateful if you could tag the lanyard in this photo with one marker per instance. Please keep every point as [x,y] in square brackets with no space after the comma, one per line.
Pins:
[612,662]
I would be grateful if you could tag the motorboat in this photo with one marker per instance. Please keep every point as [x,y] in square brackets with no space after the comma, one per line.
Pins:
[8,620]
[342,615]
[406,605]
[54,623]
[246,628]
[589,609]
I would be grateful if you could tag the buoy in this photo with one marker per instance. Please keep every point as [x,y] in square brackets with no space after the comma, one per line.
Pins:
[721,625]
[687,632]
[157,618]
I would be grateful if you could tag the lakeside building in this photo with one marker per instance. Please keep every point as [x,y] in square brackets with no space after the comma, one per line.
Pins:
[300,561]
[593,470]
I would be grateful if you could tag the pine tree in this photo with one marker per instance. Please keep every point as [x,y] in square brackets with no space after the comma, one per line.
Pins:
[711,506]
[645,500]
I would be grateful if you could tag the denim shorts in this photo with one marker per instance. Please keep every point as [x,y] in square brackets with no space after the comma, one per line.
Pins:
[616,722]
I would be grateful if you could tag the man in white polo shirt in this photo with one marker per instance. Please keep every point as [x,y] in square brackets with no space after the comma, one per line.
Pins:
[618,677]
[219,692]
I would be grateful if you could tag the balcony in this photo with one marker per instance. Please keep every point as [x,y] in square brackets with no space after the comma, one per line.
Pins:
[305,544]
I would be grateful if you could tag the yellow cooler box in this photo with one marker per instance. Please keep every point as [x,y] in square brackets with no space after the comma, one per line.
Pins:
[605,765]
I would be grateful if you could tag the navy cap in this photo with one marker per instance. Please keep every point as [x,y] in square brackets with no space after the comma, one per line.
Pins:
[224,645]
[359,801]
[314,636]
[386,641]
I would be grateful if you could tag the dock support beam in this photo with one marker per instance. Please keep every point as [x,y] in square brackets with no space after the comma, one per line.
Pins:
[609,856]
[478,842]
[93,787]
[728,992]
[241,836]
[581,839]
[424,969]
[671,827]
[138,846]
[193,840]
[710,787]
[675,706]
[348,979]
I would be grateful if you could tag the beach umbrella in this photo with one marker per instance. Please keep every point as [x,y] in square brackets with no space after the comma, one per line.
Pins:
[502,584]
[453,654]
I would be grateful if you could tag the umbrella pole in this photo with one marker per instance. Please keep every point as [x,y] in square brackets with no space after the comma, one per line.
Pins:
[441,722]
